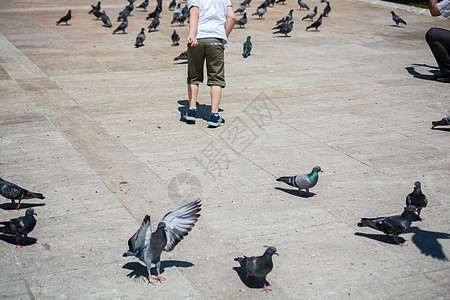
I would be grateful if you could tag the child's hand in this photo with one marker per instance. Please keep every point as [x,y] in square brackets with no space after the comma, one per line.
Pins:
[192,41]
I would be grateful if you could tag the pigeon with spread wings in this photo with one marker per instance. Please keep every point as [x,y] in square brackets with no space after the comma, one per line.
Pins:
[148,246]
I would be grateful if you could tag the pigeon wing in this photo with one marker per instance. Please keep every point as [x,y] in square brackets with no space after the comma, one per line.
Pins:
[11,191]
[180,222]
[142,237]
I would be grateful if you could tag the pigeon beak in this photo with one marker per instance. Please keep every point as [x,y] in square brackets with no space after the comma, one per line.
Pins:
[276,253]
[34,213]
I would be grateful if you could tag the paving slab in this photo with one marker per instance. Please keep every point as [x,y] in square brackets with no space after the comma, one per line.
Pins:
[95,125]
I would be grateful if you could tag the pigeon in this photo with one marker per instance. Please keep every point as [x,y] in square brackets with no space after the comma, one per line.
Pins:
[66,18]
[311,15]
[143,5]
[240,9]
[279,26]
[140,39]
[122,26]
[304,181]
[247,47]
[148,246]
[265,4]
[280,1]
[96,13]
[258,266]
[154,13]
[130,6]
[181,19]
[185,10]
[271,3]
[177,12]
[182,56]
[303,4]
[175,38]
[172,5]
[397,19]
[246,2]
[393,225]
[106,21]
[286,28]
[20,226]
[286,18]
[316,24]
[154,24]
[417,198]
[14,192]
[242,21]
[445,121]
[96,7]
[124,13]
[327,9]
[260,12]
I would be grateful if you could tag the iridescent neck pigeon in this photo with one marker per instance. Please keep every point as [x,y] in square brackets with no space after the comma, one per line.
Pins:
[304,181]
[393,225]
[148,246]
[258,266]
[417,198]
[20,227]
[14,192]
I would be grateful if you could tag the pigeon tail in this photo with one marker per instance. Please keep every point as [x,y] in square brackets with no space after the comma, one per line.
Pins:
[288,179]
[31,195]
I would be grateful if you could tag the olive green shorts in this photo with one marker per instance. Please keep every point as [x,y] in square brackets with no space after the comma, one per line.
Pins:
[211,50]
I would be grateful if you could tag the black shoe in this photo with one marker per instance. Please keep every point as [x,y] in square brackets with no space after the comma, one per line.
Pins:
[442,78]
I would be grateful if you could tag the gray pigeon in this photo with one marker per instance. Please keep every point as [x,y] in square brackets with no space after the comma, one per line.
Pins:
[286,28]
[124,13]
[66,18]
[260,12]
[286,18]
[397,19]
[445,121]
[14,192]
[143,5]
[20,226]
[417,198]
[327,9]
[393,225]
[175,38]
[140,39]
[240,9]
[247,47]
[242,21]
[106,21]
[95,7]
[311,15]
[304,181]
[246,2]
[154,24]
[316,24]
[258,266]
[172,5]
[96,12]
[177,12]
[303,4]
[182,56]
[122,26]
[148,246]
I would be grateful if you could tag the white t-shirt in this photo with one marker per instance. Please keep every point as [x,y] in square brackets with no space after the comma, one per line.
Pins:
[444,8]
[212,18]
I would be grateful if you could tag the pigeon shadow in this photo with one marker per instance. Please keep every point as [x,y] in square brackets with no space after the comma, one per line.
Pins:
[203,111]
[441,129]
[381,238]
[397,26]
[10,239]
[282,36]
[139,270]
[139,46]
[10,206]
[412,71]
[294,192]
[181,63]
[252,282]
[427,242]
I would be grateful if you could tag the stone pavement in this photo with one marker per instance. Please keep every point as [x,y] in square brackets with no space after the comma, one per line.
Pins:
[94,124]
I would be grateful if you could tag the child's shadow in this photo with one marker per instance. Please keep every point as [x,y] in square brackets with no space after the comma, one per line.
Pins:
[203,111]
[252,282]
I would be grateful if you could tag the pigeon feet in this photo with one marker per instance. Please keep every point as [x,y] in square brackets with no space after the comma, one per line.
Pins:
[19,245]
[265,289]
[401,244]
[157,278]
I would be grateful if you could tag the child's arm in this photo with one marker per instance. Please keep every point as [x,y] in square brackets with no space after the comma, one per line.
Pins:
[193,25]
[231,20]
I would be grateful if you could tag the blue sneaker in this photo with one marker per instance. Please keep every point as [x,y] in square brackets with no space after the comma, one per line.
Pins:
[215,120]
[190,115]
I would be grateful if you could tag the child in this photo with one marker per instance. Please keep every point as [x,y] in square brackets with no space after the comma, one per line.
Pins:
[210,24]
